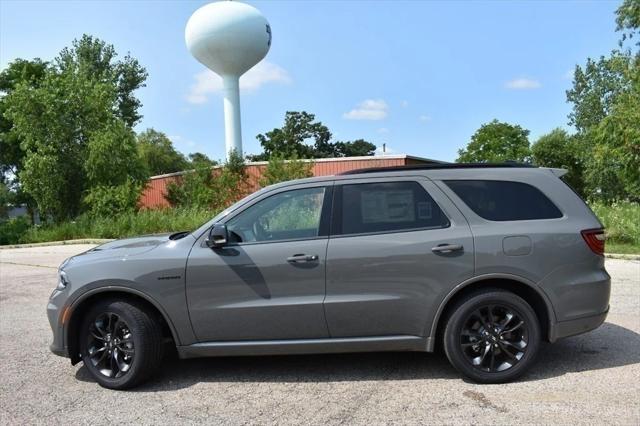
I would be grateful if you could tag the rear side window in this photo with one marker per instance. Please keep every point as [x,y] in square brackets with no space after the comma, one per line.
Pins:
[504,200]
[386,207]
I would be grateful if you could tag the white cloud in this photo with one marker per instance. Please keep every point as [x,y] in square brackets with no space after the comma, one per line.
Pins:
[424,118]
[207,82]
[369,109]
[383,130]
[404,104]
[522,84]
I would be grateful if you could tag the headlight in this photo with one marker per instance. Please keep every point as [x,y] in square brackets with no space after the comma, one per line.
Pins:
[62,280]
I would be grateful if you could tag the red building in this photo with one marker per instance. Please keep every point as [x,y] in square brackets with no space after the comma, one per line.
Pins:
[153,197]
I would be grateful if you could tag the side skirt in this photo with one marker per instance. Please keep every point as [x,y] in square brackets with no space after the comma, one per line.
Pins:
[304,346]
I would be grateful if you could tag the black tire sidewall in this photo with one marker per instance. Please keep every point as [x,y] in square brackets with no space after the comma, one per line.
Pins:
[460,315]
[123,310]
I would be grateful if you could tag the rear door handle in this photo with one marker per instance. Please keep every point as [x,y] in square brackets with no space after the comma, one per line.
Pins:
[447,248]
[302,258]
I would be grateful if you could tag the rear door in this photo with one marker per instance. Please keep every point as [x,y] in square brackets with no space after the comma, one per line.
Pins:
[397,245]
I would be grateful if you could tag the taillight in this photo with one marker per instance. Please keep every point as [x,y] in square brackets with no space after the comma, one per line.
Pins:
[595,239]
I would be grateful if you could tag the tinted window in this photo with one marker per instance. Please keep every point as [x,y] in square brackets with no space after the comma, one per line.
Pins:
[383,207]
[284,216]
[502,200]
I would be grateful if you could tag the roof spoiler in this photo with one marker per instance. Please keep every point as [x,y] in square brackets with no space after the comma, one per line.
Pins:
[557,172]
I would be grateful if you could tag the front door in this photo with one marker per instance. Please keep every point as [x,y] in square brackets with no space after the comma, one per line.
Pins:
[396,247]
[269,281]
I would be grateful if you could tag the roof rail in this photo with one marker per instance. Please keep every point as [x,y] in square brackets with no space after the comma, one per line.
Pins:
[506,164]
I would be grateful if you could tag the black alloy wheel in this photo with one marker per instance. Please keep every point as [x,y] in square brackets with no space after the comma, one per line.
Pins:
[492,336]
[110,347]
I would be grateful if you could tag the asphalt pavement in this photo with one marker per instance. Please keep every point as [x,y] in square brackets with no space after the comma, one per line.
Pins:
[588,379]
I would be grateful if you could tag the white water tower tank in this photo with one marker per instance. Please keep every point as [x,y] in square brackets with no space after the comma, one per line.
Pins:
[229,38]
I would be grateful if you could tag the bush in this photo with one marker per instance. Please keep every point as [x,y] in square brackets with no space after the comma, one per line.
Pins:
[124,225]
[211,189]
[12,231]
[109,201]
[622,221]
[281,170]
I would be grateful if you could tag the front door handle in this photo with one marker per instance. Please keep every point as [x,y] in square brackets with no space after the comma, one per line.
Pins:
[447,248]
[302,258]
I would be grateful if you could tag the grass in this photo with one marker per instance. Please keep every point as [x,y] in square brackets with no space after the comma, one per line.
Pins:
[127,225]
[622,221]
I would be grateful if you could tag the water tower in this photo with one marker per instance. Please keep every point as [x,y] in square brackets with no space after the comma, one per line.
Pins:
[229,38]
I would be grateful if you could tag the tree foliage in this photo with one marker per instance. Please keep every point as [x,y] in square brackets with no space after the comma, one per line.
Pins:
[209,188]
[561,150]
[496,142]
[158,154]
[12,155]
[606,112]
[302,136]
[83,95]
[280,170]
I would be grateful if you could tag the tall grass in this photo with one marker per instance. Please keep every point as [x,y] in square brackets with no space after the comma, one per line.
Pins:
[622,222]
[125,225]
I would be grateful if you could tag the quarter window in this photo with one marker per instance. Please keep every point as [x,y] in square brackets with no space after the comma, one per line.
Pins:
[284,216]
[504,200]
[387,207]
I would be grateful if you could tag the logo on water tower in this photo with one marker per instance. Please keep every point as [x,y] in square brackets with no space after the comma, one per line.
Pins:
[269,32]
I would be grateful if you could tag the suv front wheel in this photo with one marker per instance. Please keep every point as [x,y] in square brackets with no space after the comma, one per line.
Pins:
[492,336]
[120,343]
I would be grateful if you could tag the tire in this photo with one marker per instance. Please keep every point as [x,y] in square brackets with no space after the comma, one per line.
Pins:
[492,349]
[121,343]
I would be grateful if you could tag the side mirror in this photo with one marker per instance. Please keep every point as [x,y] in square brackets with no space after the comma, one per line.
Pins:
[218,236]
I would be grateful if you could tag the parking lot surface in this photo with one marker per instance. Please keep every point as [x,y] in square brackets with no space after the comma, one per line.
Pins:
[588,379]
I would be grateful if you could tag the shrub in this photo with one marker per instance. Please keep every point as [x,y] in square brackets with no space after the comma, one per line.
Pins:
[13,230]
[108,201]
[281,170]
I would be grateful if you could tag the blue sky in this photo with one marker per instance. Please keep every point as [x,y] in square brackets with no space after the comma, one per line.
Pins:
[418,76]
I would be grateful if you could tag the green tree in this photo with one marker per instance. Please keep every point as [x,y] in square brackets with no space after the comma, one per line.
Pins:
[83,93]
[304,137]
[12,154]
[606,104]
[212,189]
[158,153]
[560,150]
[281,170]
[292,138]
[496,142]
[357,148]
[199,159]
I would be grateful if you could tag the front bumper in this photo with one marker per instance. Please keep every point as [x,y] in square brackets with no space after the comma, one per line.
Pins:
[54,307]
[577,326]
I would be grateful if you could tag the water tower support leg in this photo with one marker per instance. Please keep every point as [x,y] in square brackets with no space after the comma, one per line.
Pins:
[232,128]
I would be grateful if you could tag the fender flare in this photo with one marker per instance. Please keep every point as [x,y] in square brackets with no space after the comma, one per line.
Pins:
[118,288]
[431,340]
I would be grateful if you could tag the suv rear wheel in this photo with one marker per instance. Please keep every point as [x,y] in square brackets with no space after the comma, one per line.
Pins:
[120,343]
[492,336]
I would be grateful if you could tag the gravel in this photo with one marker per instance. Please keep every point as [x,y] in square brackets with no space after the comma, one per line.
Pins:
[588,379]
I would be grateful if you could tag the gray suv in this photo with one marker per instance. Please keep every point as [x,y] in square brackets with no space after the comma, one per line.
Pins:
[485,261]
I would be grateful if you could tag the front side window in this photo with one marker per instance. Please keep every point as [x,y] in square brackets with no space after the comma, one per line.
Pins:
[283,216]
[504,200]
[387,207]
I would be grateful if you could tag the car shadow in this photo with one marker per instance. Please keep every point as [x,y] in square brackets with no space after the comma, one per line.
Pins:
[607,347]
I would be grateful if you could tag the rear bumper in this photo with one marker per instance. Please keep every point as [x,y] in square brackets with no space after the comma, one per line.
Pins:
[577,326]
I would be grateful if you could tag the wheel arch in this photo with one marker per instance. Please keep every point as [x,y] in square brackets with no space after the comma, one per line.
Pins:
[520,286]
[80,306]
